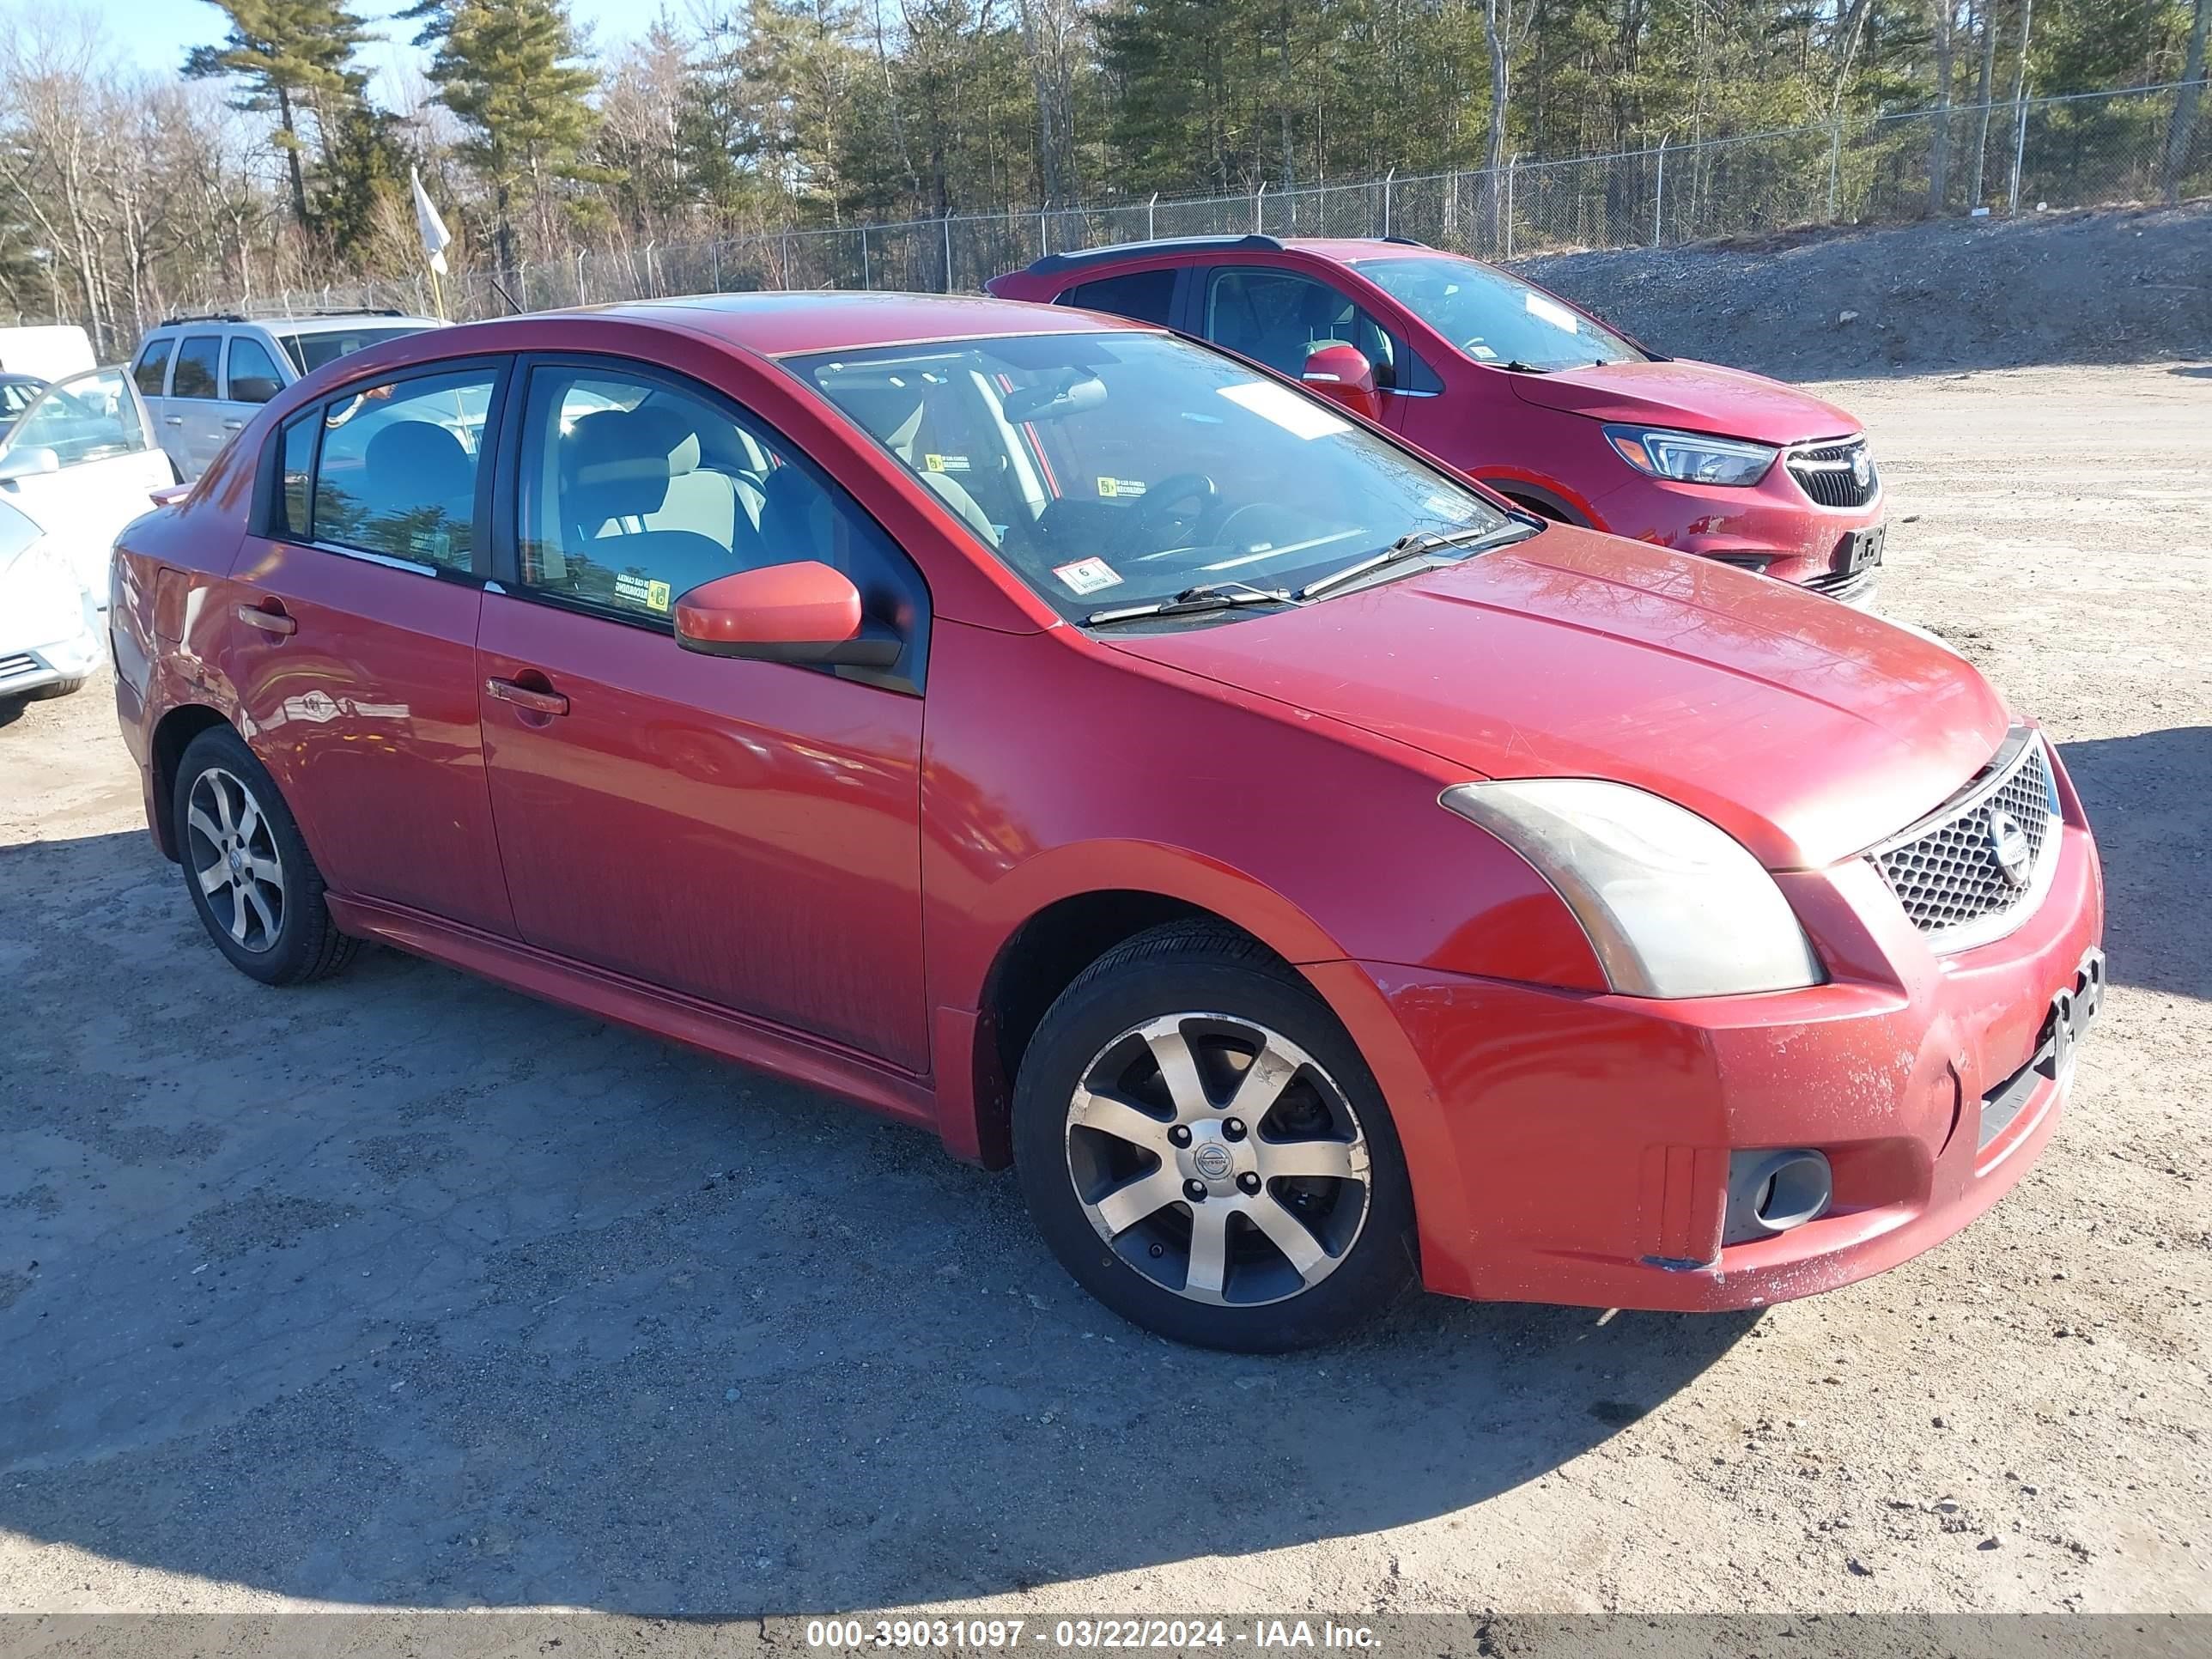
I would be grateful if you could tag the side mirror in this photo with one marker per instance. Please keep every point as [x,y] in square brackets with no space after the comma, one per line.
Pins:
[1343,372]
[252,388]
[801,612]
[29,462]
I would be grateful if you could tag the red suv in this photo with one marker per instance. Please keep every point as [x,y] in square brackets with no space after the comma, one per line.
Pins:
[1101,752]
[1519,388]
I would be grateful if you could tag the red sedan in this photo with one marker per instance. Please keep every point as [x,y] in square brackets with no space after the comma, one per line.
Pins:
[1518,388]
[1309,872]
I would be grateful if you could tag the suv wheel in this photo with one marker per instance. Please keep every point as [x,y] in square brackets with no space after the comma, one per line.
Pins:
[256,889]
[1204,1151]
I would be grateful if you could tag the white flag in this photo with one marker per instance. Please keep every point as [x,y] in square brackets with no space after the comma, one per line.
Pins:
[436,236]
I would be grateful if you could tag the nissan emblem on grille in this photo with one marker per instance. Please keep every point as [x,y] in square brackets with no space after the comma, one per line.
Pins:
[1961,874]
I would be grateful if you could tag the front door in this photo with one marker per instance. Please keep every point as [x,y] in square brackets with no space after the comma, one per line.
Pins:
[352,642]
[83,463]
[745,833]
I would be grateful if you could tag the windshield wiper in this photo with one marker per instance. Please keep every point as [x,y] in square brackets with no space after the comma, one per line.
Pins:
[1411,546]
[1514,365]
[1211,596]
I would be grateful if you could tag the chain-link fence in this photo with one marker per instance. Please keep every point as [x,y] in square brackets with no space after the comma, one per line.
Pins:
[2073,151]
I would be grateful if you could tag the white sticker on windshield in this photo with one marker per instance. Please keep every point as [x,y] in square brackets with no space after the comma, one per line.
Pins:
[1553,311]
[1299,416]
[1087,575]
[1457,508]
[1482,351]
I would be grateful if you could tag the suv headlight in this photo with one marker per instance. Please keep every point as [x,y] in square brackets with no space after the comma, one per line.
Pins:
[1691,457]
[1674,907]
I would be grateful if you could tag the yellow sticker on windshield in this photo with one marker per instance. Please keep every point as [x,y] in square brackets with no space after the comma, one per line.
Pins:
[1118,487]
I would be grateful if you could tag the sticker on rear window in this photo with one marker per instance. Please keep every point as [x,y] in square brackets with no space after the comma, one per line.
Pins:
[1087,575]
[1552,312]
[1299,416]
[1117,487]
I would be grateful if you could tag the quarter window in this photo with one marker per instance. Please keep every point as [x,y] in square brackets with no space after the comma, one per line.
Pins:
[397,473]
[635,492]
[152,364]
[1146,296]
[298,461]
[1279,318]
[194,375]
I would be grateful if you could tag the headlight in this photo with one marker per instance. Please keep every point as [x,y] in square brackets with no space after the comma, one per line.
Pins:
[1691,456]
[1674,907]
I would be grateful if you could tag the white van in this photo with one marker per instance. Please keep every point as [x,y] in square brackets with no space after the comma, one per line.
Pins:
[203,377]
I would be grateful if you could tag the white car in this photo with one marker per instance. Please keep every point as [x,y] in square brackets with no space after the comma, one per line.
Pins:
[80,465]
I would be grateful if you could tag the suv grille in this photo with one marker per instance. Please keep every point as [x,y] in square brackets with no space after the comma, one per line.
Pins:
[1947,871]
[1829,473]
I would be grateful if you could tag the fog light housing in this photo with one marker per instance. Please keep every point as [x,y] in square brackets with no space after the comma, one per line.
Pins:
[1770,1192]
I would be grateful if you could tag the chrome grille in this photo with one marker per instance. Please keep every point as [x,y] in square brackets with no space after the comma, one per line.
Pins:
[1945,870]
[1829,473]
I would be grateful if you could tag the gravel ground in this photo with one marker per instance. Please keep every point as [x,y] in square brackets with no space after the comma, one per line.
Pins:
[405,1292]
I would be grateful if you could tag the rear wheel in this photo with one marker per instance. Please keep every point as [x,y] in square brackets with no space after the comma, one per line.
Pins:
[256,890]
[1204,1151]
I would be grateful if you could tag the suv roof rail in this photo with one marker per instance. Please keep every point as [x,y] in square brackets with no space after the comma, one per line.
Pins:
[200,317]
[303,314]
[1406,241]
[1081,256]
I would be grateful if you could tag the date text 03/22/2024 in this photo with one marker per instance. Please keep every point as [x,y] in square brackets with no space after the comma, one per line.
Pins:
[1084,1635]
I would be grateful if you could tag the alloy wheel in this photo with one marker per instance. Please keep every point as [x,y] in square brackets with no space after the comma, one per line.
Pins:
[1218,1158]
[232,852]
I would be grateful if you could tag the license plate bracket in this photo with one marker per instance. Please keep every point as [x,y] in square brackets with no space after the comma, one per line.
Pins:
[1860,551]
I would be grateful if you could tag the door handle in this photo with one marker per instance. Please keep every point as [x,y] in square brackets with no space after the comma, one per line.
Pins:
[523,696]
[269,616]
[172,420]
[232,426]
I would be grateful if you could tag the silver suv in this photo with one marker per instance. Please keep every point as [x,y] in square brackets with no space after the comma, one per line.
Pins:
[203,377]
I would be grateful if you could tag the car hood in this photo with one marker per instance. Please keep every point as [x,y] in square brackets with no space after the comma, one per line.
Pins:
[1697,397]
[1806,729]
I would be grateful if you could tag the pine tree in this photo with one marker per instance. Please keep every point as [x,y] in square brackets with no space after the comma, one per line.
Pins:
[291,54]
[509,70]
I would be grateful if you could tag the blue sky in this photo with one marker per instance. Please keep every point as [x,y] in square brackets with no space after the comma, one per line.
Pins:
[157,33]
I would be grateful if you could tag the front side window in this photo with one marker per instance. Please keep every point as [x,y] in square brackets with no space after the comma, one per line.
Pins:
[397,471]
[1280,319]
[1109,469]
[152,364]
[1495,318]
[86,417]
[197,361]
[1147,296]
[310,351]
[636,491]
[253,373]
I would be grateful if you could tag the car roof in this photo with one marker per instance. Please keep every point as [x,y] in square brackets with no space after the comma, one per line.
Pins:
[779,324]
[1343,250]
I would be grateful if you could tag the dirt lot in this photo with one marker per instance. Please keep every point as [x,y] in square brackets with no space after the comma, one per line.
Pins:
[404,1290]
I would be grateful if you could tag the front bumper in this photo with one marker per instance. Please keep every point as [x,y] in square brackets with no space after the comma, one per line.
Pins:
[1572,1148]
[1772,526]
[63,662]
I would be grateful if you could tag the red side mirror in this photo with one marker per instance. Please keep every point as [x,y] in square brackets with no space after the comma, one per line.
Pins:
[1342,372]
[799,612]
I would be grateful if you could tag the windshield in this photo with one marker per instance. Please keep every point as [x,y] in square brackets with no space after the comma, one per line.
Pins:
[310,351]
[1494,318]
[1113,469]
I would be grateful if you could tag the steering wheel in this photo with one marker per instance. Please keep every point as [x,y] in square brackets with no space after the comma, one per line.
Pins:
[1151,524]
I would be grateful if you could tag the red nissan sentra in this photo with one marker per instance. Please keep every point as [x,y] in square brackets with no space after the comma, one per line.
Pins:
[1539,399]
[1311,874]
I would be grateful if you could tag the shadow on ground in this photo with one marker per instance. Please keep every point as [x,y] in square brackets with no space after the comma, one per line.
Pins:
[2145,799]
[402,1289]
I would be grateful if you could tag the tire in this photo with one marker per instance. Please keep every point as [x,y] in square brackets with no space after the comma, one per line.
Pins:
[265,907]
[1161,1200]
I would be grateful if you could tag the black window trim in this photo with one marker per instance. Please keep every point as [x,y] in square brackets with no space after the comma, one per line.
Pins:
[506,577]
[268,479]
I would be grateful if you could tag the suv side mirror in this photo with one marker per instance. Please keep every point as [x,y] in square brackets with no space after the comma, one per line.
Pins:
[800,612]
[252,388]
[1342,372]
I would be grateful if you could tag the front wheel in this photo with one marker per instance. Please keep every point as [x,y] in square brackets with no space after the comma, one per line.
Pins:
[1206,1151]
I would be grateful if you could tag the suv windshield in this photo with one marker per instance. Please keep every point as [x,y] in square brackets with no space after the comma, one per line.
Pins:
[1117,469]
[309,351]
[1494,318]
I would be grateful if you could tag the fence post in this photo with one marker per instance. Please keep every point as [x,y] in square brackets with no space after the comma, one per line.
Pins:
[715,255]
[1256,195]
[1044,233]
[1511,161]
[1388,179]
[867,276]
[1835,168]
[1152,217]
[580,299]
[948,252]
[1659,192]
[652,275]
[2019,155]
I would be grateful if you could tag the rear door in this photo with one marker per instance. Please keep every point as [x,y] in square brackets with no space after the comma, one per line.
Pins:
[193,422]
[83,463]
[356,602]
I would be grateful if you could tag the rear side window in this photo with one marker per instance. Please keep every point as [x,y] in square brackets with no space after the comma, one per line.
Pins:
[194,376]
[1147,296]
[153,363]
[397,471]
